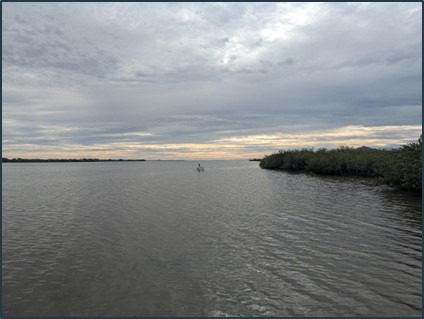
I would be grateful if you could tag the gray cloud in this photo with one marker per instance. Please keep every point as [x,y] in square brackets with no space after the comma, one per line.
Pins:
[99,73]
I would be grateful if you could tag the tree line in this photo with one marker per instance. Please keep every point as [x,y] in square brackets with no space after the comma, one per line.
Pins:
[398,167]
[38,160]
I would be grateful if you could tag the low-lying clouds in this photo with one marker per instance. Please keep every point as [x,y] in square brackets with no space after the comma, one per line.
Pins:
[208,80]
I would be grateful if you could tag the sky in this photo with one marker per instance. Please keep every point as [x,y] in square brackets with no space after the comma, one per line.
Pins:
[208,80]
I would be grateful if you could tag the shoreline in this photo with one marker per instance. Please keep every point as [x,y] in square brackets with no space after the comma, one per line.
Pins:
[400,167]
[372,181]
[68,160]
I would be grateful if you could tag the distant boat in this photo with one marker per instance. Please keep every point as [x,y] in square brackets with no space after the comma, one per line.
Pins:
[200,168]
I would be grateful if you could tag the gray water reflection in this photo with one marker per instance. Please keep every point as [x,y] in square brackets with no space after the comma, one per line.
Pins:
[159,238]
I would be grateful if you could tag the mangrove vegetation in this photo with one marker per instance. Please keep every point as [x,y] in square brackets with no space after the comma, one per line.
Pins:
[398,167]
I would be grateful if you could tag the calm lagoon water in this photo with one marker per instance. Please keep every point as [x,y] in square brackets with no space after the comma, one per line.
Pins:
[160,239]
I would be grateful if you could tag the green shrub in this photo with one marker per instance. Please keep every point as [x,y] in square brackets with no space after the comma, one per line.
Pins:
[396,167]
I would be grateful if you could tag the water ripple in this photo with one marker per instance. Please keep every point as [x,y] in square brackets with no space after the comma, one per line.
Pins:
[159,239]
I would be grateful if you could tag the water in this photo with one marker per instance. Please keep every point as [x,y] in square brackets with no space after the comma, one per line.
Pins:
[160,239]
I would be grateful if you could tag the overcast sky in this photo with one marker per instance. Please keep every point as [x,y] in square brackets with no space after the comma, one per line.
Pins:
[208,80]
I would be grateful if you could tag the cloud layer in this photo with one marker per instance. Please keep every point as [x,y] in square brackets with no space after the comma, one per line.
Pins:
[208,80]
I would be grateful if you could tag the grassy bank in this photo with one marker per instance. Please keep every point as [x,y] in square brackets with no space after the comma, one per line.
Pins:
[399,167]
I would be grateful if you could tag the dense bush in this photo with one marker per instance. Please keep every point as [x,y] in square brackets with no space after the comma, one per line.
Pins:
[396,167]
[403,169]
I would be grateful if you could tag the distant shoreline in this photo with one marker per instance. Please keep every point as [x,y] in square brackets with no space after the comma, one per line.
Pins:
[82,160]
[68,160]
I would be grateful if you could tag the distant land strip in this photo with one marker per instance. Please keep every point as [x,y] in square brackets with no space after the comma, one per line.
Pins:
[53,160]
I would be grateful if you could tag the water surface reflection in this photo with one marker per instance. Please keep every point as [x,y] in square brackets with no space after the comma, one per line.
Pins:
[159,239]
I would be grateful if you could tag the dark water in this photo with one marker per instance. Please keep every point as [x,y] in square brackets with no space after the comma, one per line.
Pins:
[159,238]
